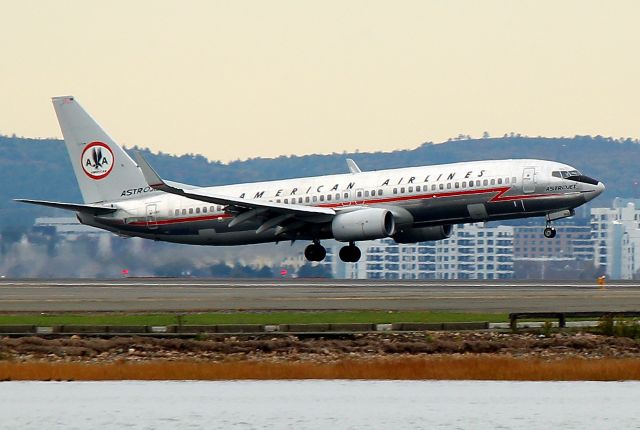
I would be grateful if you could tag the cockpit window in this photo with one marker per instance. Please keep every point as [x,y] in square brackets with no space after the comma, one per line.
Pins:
[556,173]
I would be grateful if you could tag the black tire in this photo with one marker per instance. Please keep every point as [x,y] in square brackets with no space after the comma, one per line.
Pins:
[549,233]
[309,253]
[344,254]
[350,254]
[315,252]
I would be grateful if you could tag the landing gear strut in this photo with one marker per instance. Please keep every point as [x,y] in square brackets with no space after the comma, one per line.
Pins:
[315,252]
[549,232]
[350,253]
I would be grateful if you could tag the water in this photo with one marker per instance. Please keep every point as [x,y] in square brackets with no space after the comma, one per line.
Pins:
[319,405]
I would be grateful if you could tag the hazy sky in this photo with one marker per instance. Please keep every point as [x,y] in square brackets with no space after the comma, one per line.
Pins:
[240,79]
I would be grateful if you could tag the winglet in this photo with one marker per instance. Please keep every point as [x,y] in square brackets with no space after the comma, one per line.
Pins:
[353,167]
[150,175]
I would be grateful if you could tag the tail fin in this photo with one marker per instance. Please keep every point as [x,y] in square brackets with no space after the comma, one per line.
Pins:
[103,170]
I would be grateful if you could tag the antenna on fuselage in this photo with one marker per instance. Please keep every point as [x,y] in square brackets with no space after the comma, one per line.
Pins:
[353,167]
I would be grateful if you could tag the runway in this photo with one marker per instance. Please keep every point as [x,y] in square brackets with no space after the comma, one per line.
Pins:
[185,295]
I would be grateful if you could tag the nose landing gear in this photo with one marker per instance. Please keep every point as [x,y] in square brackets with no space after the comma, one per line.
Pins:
[315,252]
[350,253]
[549,232]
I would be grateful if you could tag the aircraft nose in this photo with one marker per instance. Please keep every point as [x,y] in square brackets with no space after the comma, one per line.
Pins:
[595,192]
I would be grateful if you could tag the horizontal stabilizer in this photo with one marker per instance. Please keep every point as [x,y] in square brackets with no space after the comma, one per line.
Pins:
[76,207]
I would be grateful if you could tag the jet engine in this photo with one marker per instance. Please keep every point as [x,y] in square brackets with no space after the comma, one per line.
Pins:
[363,224]
[423,234]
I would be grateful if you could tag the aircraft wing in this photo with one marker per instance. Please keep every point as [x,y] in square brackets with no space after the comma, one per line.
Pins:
[306,213]
[76,207]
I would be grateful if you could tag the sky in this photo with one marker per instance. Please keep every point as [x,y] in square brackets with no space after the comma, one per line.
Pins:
[243,79]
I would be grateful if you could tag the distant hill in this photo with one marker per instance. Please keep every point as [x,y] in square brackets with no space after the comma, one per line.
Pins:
[40,168]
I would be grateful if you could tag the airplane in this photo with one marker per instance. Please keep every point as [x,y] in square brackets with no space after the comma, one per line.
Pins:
[411,204]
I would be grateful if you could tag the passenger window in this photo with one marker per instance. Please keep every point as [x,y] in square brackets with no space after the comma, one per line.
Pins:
[197,210]
[433,187]
[322,197]
[417,188]
[379,192]
[177,212]
[300,200]
[212,208]
[493,182]
[499,181]
[366,193]
[184,211]
[277,200]
[441,186]
[485,182]
[337,196]
[402,190]
[448,185]
[410,189]
[306,199]
[395,191]
[204,210]
[315,198]
[457,184]
[506,181]
[346,196]
[190,210]
[478,183]
[286,201]
[328,197]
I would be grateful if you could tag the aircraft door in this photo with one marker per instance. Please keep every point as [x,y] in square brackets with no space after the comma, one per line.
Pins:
[152,211]
[529,180]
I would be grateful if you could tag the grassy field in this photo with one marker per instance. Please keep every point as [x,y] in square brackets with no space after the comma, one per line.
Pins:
[374,317]
[461,368]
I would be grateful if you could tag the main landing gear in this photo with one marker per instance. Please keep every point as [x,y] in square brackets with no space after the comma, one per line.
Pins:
[350,253]
[315,252]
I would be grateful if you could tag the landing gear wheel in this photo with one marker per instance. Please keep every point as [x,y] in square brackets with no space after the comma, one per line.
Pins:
[549,232]
[350,254]
[315,252]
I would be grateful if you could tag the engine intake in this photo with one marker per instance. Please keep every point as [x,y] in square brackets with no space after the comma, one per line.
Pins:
[363,224]
[423,234]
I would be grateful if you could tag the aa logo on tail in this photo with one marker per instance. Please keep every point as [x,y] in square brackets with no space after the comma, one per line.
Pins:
[97,160]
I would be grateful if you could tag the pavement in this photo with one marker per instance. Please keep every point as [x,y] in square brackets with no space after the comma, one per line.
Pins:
[186,295]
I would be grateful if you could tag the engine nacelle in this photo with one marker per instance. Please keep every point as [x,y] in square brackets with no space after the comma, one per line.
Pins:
[423,234]
[363,224]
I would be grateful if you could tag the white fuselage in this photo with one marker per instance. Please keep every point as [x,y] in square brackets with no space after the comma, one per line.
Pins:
[417,197]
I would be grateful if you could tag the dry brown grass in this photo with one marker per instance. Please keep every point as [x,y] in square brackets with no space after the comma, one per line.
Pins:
[467,368]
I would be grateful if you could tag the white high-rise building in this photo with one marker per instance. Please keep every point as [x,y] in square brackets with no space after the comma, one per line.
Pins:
[472,252]
[616,236]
